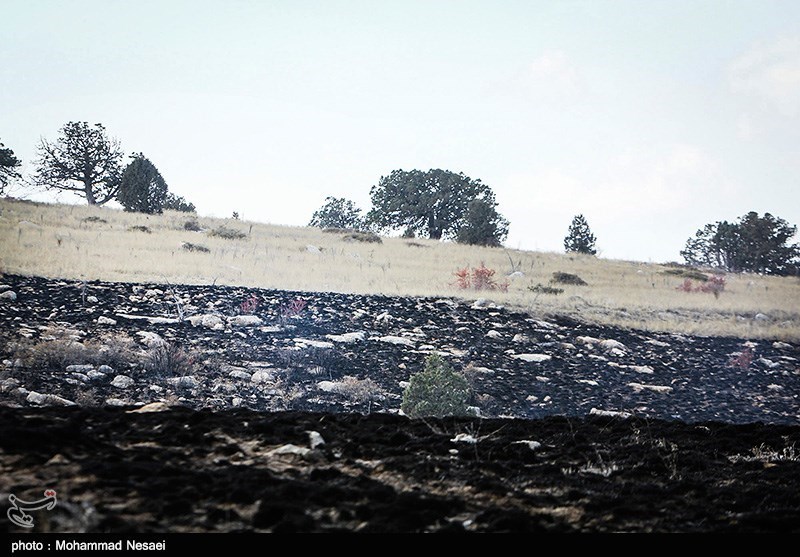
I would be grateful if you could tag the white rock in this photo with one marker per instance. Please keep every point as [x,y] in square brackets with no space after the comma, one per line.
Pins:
[532,445]
[8,295]
[611,345]
[774,387]
[768,363]
[80,368]
[122,382]
[761,317]
[591,382]
[243,375]
[494,334]
[397,340]
[105,369]
[532,357]
[609,413]
[638,387]
[92,299]
[186,382]
[303,342]
[481,303]
[658,343]
[328,386]
[48,400]
[479,369]
[347,338]
[383,317]
[94,375]
[151,340]
[641,369]
[116,402]
[103,320]
[464,438]
[474,411]
[616,352]
[208,320]
[312,249]
[260,376]
[156,388]
[588,340]
[152,407]
[403,384]
[81,377]
[315,439]
[542,379]
[519,337]
[516,275]
[245,321]
[781,345]
[4,287]
[289,449]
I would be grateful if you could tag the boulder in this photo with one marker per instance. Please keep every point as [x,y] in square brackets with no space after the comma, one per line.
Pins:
[8,295]
[48,400]
[536,358]
[245,321]
[103,320]
[122,382]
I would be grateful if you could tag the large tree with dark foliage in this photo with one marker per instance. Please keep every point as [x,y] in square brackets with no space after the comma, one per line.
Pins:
[142,188]
[8,167]
[754,243]
[83,160]
[337,212]
[579,237]
[432,203]
[483,225]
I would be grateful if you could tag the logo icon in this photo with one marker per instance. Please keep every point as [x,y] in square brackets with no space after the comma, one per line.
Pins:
[17,515]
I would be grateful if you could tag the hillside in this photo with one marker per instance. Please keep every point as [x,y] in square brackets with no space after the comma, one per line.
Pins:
[91,243]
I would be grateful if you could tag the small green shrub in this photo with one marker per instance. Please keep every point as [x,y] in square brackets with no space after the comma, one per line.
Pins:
[542,289]
[227,233]
[692,274]
[567,278]
[95,219]
[368,237]
[192,225]
[188,246]
[437,391]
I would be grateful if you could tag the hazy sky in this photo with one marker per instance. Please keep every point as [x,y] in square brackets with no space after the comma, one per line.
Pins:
[651,118]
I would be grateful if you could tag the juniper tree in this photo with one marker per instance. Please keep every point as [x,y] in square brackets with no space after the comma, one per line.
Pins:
[579,237]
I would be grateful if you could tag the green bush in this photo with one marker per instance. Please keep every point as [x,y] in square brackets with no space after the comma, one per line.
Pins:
[567,278]
[437,391]
[227,233]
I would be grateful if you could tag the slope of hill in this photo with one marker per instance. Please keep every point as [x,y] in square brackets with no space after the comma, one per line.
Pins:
[91,243]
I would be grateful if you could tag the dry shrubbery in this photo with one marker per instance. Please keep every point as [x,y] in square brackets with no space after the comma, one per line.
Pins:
[227,233]
[169,360]
[55,354]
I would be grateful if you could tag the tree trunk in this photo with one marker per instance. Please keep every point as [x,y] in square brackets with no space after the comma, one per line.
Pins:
[89,192]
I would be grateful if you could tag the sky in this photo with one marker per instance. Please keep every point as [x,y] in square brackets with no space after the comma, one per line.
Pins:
[649,118]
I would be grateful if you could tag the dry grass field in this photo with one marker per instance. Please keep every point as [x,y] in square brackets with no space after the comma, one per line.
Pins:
[86,243]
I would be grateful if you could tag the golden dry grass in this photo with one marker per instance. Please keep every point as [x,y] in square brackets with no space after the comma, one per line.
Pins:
[58,241]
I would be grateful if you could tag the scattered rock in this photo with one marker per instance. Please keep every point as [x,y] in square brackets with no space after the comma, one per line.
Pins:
[80,368]
[243,375]
[494,334]
[313,249]
[116,402]
[532,445]
[642,369]
[305,342]
[611,345]
[591,382]
[105,369]
[397,340]
[151,340]
[610,413]
[638,387]
[781,345]
[464,438]
[774,387]
[315,439]
[152,407]
[122,382]
[245,321]
[520,338]
[328,386]
[94,375]
[259,377]
[209,321]
[48,400]
[347,338]
[9,295]
[768,363]
[532,357]
[289,449]
[92,299]
[185,382]
[103,320]
[762,317]
[481,303]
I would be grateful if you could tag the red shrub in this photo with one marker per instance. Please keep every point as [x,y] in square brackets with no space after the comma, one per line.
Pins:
[743,360]
[480,278]
[248,306]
